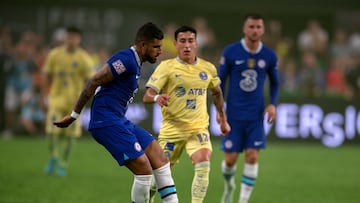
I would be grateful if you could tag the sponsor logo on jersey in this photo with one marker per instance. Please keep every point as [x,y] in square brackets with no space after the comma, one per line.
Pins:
[191,103]
[180,91]
[119,66]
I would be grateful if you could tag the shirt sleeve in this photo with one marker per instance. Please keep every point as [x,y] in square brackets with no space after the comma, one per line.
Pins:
[215,80]
[159,77]
[274,80]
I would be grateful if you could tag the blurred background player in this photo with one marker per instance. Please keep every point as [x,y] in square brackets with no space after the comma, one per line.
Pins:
[66,70]
[114,86]
[179,85]
[247,63]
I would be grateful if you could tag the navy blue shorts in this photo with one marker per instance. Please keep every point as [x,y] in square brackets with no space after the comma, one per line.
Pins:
[244,135]
[125,141]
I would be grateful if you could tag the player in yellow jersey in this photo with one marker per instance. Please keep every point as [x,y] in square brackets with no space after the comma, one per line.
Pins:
[180,87]
[66,69]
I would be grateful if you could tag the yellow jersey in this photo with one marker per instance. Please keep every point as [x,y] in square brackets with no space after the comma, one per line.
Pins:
[69,72]
[187,86]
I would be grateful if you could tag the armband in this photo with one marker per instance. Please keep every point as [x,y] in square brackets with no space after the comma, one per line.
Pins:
[74,115]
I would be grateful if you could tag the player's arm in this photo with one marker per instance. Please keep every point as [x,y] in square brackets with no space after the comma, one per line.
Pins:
[221,117]
[152,96]
[104,75]
[274,92]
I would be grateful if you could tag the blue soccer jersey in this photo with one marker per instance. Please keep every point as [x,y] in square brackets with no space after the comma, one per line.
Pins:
[247,74]
[111,100]
[108,124]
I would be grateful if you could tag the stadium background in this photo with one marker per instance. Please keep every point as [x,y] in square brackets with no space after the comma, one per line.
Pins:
[112,24]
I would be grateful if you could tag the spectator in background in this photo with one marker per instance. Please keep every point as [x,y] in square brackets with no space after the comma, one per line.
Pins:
[288,77]
[339,45]
[311,76]
[315,39]
[275,39]
[18,84]
[168,47]
[205,36]
[335,77]
[5,65]
[66,70]
[32,114]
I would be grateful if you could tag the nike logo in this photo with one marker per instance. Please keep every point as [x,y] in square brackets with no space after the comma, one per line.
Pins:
[239,62]
[257,143]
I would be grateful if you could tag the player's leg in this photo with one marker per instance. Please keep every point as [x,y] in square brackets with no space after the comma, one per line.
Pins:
[53,149]
[70,135]
[232,145]
[255,140]
[250,174]
[228,169]
[199,148]
[53,135]
[126,150]
[141,168]
[160,164]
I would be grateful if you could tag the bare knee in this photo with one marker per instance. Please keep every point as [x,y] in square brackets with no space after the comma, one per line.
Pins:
[230,158]
[201,155]
[251,156]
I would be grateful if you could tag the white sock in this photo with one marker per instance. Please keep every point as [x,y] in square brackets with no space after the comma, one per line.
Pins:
[165,184]
[248,180]
[140,191]
[228,173]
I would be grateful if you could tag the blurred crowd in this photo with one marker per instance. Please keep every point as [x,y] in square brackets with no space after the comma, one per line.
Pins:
[315,63]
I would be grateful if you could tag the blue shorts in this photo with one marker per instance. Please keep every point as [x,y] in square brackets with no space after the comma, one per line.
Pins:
[244,135]
[124,141]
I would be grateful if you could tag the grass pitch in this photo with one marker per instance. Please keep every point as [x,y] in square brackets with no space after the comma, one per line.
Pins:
[289,173]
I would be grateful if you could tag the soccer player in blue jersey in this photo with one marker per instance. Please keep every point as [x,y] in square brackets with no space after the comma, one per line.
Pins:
[246,63]
[180,86]
[113,87]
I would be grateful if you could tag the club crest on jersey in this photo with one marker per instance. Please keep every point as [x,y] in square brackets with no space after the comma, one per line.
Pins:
[119,66]
[251,63]
[261,63]
[137,146]
[203,76]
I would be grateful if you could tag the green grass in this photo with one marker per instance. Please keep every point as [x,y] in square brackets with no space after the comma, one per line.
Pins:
[289,173]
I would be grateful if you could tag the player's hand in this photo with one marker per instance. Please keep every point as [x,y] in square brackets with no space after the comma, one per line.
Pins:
[163,100]
[65,122]
[225,128]
[224,125]
[271,111]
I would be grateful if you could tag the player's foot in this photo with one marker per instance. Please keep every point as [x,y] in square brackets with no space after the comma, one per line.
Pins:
[61,171]
[229,188]
[50,167]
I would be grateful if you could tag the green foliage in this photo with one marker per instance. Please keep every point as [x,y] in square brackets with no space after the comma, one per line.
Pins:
[295,173]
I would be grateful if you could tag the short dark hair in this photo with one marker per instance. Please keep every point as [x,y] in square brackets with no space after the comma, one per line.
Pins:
[73,29]
[184,28]
[148,32]
[254,16]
